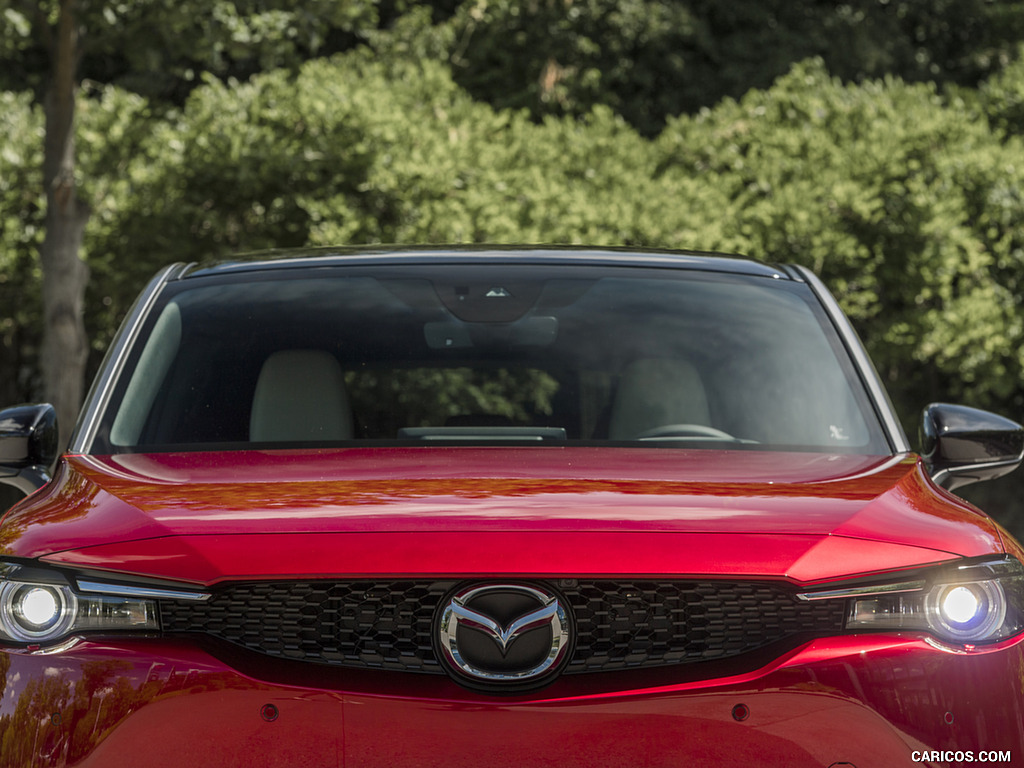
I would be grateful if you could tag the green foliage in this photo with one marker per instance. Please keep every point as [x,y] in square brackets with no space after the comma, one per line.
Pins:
[114,137]
[160,48]
[554,57]
[354,150]
[1002,99]
[651,59]
[22,207]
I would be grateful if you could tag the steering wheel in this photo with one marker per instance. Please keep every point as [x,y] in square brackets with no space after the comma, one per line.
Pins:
[684,430]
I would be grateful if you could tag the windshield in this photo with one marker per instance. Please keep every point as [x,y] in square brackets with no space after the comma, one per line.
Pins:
[482,353]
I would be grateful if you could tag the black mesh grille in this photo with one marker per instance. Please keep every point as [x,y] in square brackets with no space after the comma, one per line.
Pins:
[654,623]
[377,624]
[619,625]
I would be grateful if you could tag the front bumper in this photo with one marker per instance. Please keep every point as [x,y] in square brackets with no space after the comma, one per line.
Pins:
[878,700]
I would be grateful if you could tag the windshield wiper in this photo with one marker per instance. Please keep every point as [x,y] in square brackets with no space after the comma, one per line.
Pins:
[483,434]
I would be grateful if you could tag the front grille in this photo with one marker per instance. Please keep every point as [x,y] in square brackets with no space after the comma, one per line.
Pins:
[383,625]
[654,623]
[619,625]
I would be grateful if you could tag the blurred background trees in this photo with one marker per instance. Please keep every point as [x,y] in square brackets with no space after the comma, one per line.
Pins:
[876,141]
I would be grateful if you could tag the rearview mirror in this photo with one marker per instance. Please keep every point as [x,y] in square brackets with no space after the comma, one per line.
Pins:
[962,445]
[28,445]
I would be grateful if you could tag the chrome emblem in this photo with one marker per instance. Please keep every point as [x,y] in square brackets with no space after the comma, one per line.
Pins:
[503,633]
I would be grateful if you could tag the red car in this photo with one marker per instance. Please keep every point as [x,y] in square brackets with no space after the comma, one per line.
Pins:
[493,507]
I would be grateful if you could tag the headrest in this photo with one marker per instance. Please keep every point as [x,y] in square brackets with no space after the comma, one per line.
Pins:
[300,396]
[656,392]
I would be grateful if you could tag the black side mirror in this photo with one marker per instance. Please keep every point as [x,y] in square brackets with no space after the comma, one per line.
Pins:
[962,445]
[28,445]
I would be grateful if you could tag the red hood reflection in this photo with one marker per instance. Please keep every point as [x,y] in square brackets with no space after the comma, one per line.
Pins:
[158,513]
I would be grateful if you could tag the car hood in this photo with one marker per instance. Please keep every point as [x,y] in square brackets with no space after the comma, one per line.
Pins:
[205,517]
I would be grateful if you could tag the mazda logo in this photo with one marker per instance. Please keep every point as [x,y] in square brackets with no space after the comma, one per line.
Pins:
[503,633]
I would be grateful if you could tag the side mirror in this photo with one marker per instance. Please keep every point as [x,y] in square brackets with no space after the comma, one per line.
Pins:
[28,445]
[962,445]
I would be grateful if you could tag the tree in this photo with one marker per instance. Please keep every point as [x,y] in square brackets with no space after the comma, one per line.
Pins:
[65,346]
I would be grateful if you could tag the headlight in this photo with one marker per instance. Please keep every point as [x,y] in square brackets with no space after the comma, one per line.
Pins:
[41,606]
[967,613]
[975,602]
[34,612]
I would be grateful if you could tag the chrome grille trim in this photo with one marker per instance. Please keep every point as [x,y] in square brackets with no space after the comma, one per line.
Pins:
[123,590]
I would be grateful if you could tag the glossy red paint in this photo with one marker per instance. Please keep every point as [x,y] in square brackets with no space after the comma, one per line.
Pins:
[209,559]
[585,511]
[868,700]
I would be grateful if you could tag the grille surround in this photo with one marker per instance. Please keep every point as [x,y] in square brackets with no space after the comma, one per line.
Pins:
[620,625]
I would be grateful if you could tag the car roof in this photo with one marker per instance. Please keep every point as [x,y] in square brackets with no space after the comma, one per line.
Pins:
[484,254]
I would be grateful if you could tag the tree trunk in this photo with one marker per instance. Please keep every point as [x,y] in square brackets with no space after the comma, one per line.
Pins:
[65,346]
